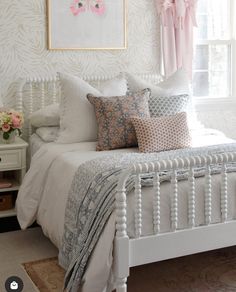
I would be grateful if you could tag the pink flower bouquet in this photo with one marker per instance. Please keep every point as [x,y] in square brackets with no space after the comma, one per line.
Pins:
[11,121]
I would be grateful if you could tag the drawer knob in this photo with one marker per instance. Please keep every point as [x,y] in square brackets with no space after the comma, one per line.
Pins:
[0,159]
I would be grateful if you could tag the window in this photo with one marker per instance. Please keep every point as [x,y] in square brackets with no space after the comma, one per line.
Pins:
[214,51]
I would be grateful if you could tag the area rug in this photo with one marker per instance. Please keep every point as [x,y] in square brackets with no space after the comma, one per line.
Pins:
[213,271]
[46,274]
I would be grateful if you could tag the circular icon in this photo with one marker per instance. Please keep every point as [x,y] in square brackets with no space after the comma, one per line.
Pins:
[14,283]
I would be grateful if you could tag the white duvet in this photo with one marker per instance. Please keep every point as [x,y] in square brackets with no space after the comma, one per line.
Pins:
[43,196]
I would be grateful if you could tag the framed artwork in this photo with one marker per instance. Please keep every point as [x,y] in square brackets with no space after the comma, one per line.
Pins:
[86,24]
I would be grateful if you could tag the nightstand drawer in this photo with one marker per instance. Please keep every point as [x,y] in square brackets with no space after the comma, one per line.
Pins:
[10,159]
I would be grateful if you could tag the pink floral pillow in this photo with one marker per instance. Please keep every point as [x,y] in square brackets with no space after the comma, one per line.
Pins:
[162,134]
[113,115]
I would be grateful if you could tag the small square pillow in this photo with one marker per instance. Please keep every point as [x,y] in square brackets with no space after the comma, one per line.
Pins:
[113,114]
[168,97]
[162,134]
[168,105]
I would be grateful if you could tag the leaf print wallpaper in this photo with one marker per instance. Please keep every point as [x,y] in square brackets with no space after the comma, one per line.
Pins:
[23,52]
[23,45]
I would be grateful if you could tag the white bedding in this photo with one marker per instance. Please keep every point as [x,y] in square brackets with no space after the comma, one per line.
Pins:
[44,193]
[35,143]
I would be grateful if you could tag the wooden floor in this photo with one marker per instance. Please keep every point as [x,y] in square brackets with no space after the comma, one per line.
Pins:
[213,271]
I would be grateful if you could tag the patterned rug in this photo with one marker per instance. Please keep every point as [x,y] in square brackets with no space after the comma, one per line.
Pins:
[213,271]
[46,274]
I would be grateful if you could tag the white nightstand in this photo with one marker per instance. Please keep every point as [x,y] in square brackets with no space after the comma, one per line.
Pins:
[12,168]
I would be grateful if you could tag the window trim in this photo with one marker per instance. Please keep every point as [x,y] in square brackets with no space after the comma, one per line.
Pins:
[231,99]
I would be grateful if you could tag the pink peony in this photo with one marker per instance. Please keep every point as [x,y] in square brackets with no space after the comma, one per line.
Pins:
[16,122]
[6,127]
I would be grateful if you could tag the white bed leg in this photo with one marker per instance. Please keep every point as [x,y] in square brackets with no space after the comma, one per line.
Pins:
[121,285]
[121,247]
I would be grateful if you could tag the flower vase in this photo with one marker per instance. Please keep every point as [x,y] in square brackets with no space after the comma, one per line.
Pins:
[11,139]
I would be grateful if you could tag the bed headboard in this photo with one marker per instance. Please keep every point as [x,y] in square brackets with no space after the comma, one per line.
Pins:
[36,93]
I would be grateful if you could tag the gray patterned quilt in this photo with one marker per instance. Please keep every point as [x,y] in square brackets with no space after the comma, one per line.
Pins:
[92,200]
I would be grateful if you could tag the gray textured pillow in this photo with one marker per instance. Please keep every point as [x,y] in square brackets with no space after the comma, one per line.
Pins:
[166,106]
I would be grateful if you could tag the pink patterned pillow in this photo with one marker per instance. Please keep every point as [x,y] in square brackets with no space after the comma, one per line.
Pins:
[162,134]
[113,115]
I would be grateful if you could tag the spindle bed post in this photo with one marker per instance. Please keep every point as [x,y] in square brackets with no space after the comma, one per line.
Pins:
[138,206]
[19,96]
[54,90]
[208,196]
[174,201]
[224,193]
[121,244]
[43,82]
[156,204]
[191,198]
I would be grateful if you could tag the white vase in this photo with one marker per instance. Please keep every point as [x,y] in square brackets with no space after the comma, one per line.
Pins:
[11,139]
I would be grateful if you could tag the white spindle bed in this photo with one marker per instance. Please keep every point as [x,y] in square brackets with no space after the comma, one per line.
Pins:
[36,93]
[130,252]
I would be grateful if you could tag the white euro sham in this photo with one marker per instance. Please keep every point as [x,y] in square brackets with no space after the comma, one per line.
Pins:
[77,116]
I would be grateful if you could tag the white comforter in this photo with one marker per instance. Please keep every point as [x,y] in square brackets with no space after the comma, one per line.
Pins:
[44,193]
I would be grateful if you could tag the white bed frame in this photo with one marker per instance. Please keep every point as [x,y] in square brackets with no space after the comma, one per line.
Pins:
[129,252]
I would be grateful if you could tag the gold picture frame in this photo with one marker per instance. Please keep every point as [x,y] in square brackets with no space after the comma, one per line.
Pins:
[66,31]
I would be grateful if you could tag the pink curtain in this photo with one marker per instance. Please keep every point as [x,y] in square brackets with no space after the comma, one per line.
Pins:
[178,17]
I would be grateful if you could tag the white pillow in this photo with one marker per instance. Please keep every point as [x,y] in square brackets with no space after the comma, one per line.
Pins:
[117,84]
[176,84]
[77,116]
[48,134]
[47,116]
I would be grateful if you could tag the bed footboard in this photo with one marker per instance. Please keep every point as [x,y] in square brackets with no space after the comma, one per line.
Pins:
[140,250]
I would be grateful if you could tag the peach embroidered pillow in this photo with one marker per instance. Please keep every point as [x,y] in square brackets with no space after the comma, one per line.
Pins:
[162,134]
[113,115]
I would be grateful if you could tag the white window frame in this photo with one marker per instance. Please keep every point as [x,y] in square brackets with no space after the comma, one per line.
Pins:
[222,102]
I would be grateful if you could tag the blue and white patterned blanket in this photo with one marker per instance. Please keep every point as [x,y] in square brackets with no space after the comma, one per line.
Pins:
[92,200]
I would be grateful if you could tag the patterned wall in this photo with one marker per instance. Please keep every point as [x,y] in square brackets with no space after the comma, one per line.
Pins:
[23,45]
[23,51]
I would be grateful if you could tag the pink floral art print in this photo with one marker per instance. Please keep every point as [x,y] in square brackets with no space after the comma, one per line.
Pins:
[86,24]
[95,6]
